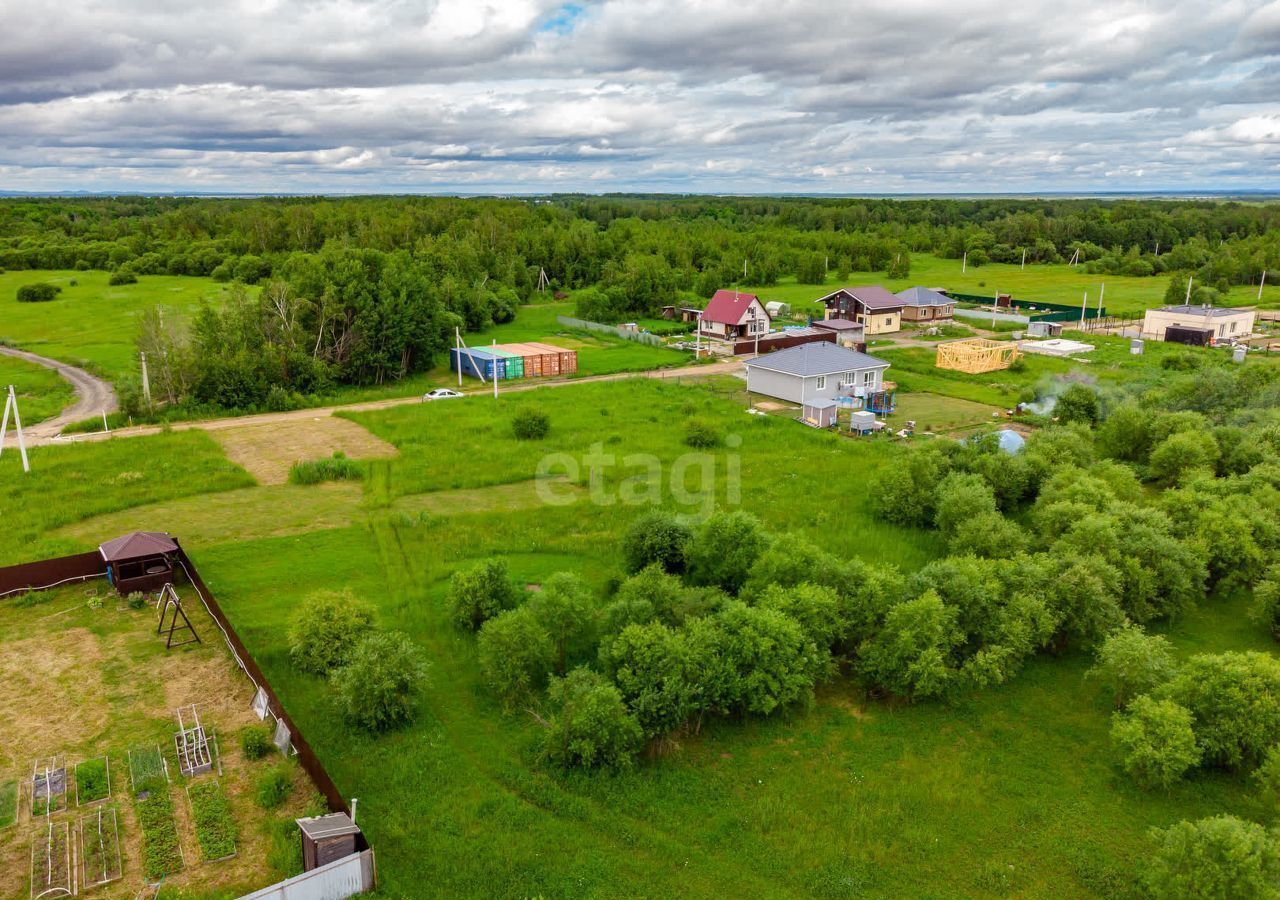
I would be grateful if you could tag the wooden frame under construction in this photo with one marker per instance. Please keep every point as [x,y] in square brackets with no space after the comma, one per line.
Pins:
[976,355]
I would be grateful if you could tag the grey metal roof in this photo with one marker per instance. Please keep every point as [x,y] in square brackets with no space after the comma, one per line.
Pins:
[1185,310]
[922,296]
[821,403]
[817,359]
[332,825]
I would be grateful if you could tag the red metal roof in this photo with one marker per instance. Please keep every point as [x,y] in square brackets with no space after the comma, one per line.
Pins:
[140,543]
[727,307]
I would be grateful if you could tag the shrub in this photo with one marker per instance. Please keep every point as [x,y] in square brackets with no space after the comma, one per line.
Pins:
[516,654]
[657,537]
[274,787]
[817,610]
[1217,857]
[1131,662]
[326,630]
[1077,404]
[1234,699]
[1268,776]
[591,726]
[1155,740]
[530,424]
[911,654]
[122,276]
[255,741]
[960,497]
[1266,601]
[756,659]
[39,292]
[335,468]
[1183,452]
[724,549]
[565,609]
[478,594]
[700,434]
[378,689]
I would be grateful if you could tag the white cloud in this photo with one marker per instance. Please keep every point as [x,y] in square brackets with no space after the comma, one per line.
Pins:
[709,95]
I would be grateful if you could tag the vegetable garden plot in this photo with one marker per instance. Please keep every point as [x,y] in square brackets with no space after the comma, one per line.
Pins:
[51,861]
[100,848]
[93,781]
[161,852]
[8,803]
[195,756]
[48,786]
[211,814]
[147,769]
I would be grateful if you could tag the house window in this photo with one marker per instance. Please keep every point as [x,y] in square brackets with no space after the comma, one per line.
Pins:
[888,320]
[1233,327]
[822,382]
[869,379]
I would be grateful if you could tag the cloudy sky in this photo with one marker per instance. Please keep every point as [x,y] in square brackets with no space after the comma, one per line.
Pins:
[668,95]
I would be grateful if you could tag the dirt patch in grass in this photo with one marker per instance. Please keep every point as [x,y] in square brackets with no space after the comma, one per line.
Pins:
[268,450]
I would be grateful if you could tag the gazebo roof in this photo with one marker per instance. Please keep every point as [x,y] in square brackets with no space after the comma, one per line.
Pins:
[138,544]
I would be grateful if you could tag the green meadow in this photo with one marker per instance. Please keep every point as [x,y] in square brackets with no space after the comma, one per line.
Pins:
[42,392]
[1009,792]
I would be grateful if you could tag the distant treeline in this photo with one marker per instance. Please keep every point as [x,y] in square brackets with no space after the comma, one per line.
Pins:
[375,285]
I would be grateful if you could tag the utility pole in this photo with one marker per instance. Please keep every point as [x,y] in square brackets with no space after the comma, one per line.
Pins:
[1190,278]
[1102,292]
[697,340]
[964,264]
[1024,257]
[1083,306]
[457,345]
[1261,283]
[11,402]
[146,381]
[744,270]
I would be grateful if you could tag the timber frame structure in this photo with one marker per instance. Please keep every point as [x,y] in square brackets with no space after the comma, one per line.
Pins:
[976,355]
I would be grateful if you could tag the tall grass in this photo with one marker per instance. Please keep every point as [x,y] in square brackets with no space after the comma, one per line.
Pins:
[336,468]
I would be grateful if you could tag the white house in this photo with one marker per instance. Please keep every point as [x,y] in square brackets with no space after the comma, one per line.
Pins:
[733,315]
[815,371]
[1221,323]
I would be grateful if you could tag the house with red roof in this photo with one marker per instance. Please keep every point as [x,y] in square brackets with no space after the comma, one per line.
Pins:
[733,315]
[871,306]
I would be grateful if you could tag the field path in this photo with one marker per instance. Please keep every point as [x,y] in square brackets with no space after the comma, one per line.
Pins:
[93,396]
[726,367]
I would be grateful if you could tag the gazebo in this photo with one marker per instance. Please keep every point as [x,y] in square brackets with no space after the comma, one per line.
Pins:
[142,561]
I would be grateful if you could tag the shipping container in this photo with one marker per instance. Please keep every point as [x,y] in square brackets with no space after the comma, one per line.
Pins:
[568,358]
[477,363]
[514,361]
[532,358]
[548,359]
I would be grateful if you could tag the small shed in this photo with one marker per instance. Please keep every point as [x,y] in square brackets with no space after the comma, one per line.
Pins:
[1044,329]
[142,561]
[328,838]
[820,412]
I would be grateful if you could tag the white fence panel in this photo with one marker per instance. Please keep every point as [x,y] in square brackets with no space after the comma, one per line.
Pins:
[338,880]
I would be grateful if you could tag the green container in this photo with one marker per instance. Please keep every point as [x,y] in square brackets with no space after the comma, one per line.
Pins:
[515,362]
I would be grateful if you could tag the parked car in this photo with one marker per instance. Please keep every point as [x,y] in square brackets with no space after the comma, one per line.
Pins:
[440,394]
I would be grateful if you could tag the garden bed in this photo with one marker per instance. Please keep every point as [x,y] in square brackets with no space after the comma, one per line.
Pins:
[93,781]
[161,850]
[211,814]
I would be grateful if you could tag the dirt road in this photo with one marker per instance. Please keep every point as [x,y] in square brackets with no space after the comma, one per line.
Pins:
[727,367]
[93,397]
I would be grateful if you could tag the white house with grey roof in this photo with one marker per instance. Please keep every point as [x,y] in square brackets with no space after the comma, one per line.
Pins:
[1219,323]
[815,371]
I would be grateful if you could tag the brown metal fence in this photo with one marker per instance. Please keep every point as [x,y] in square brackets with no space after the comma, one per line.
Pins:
[50,573]
[782,342]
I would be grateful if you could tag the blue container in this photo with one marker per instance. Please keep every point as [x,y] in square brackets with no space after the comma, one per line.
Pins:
[477,363]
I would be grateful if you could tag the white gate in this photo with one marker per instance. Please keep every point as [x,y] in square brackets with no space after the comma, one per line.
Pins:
[337,880]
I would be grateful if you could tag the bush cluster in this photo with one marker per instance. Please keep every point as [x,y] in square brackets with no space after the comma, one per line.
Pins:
[39,292]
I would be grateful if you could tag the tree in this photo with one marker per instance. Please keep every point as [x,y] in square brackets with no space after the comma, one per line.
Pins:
[961,497]
[791,560]
[516,655]
[1085,592]
[1126,432]
[816,609]
[590,727]
[565,609]
[1131,662]
[1220,857]
[987,534]
[326,630]
[530,424]
[1268,776]
[481,592]
[653,667]
[1183,452]
[811,268]
[724,549]
[1234,699]
[1156,742]
[379,687]
[657,537]
[1077,404]
[1266,601]
[762,658]
[911,654]
[904,493]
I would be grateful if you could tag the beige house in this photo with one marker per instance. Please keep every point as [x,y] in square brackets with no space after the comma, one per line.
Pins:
[1219,323]
[871,306]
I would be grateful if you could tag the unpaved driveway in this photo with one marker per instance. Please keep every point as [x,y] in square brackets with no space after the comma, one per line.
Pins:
[93,397]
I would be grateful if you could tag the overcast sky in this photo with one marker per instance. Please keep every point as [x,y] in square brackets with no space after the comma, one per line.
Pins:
[665,95]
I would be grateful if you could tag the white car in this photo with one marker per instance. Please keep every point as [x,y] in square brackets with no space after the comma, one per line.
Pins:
[440,394]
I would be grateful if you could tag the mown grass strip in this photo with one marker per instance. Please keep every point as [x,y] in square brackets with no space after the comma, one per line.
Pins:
[211,813]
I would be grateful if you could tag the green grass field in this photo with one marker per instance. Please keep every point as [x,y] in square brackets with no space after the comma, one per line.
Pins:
[1124,295]
[1010,792]
[42,393]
